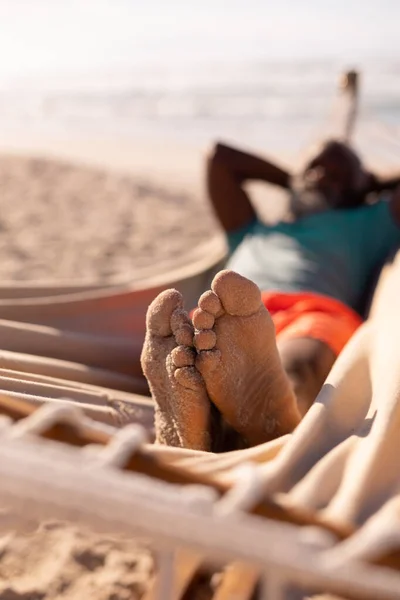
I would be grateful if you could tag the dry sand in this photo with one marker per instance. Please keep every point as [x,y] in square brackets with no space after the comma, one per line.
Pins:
[62,561]
[64,221]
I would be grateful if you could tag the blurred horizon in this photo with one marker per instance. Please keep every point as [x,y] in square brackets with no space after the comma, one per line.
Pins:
[40,38]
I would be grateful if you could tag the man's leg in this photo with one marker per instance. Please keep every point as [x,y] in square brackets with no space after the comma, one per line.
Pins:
[239,360]
[260,388]
[307,362]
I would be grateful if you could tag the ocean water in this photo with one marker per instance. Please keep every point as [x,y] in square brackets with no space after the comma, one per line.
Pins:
[257,75]
[277,106]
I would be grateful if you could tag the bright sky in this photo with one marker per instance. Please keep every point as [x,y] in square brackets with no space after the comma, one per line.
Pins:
[55,36]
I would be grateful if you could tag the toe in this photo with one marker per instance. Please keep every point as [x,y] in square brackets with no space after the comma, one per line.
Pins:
[179,318]
[207,361]
[239,296]
[184,335]
[181,327]
[205,340]
[209,302]
[158,318]
[182,356]
[190,378]
[202,319]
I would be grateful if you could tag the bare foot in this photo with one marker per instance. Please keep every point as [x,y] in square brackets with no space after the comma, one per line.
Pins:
[182,407]
[239,360]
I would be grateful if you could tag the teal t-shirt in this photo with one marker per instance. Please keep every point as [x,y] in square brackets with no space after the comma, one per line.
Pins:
[333,253]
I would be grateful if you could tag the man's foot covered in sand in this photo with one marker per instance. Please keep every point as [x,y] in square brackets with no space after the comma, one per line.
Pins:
[182,407]
[239,360]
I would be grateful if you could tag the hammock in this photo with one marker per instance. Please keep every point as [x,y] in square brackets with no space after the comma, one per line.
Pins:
[313,512]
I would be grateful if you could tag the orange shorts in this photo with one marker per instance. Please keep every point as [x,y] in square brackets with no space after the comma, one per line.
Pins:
[313,316]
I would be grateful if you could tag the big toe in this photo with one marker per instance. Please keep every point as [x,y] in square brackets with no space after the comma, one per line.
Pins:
[239,296]
[159,313]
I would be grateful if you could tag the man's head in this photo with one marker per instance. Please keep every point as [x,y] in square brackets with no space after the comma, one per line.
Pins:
[333,177]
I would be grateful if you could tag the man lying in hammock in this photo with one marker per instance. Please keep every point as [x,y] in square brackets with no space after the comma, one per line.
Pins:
[260,359]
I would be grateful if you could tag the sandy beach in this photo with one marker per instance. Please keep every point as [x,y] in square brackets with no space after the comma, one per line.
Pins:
[62,561]
[64,217]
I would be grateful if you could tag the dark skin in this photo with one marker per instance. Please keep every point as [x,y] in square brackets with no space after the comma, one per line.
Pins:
[335,174]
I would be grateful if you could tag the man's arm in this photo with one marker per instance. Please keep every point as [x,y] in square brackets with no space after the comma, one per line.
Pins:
[246,167]
[227,170]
